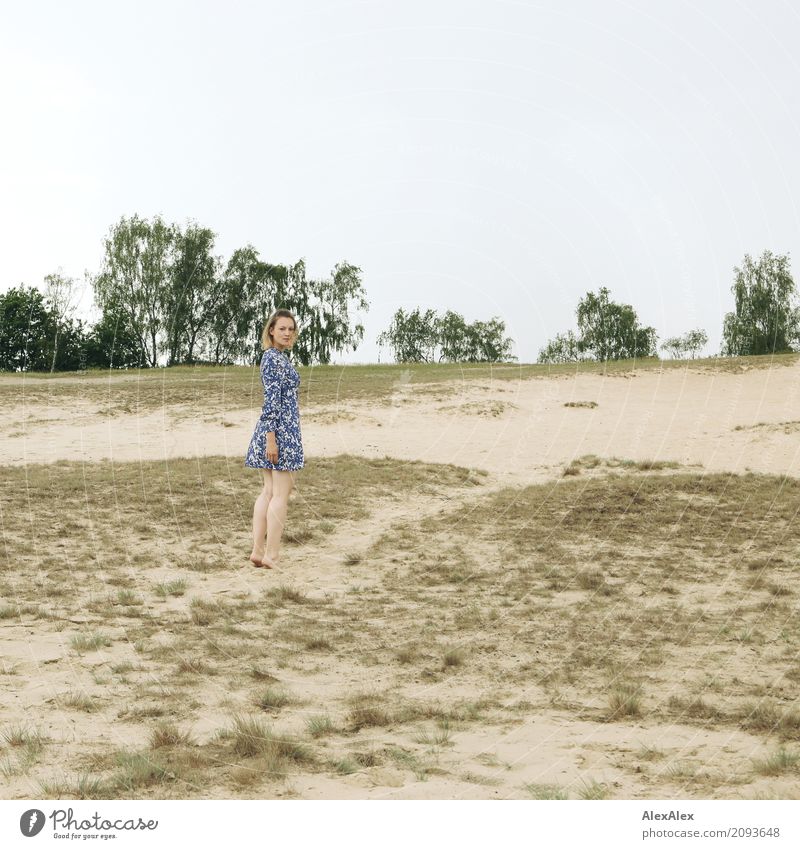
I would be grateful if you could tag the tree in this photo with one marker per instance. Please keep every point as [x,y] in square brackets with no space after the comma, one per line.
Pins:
[112,343]
[135,277]
[412,336]
[765,319]
[325,321]
[690,343]
[488,342]
[27,331]
[193,292]
[61,293]
[454,340]
[606,331]
[563,348]
[416,336]
[234,325]
[611,331]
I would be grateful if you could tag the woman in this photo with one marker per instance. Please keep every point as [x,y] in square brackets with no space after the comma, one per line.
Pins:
[276,447]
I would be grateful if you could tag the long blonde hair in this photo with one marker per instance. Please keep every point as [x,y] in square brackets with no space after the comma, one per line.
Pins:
[266,339]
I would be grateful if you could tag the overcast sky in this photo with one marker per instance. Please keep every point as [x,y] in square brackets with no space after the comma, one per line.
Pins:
[494,158]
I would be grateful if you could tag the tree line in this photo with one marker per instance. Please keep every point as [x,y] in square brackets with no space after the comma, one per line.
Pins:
[765,320]
[166,297]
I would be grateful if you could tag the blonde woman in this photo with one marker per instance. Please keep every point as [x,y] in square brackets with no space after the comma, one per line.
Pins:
[276,447]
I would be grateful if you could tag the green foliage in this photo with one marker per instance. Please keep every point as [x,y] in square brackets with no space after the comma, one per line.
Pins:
[416,337]
[611,331]
[162,286]
[412,336]
[765,319]
[135,277]
[606,331]
[112,342]
[60,294]
[690,343]
[26,328]
[193,291]
[563,348]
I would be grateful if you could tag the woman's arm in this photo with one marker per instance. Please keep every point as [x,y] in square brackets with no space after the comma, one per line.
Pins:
[271,378]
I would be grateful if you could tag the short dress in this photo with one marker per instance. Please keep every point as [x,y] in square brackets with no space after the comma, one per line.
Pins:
[280,414]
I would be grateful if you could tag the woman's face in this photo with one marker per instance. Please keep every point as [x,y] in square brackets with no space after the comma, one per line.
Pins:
[283,333]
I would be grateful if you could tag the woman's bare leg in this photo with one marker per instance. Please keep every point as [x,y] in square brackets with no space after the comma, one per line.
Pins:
[260,518]
[282,484]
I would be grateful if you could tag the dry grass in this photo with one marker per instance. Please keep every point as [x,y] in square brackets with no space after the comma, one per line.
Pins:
[214,390]
[599,597]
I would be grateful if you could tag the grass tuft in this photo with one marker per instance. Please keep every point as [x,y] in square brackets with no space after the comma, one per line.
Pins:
[89,642]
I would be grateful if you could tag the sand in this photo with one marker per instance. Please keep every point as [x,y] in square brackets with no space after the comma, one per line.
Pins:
[520,433]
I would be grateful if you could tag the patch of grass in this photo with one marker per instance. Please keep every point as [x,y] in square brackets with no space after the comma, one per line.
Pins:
[319,725]
[90,642]
[84,787]
[681,771]
[367,711]
[546,791]
[29,743]
[345,766]
[624,699]
[250,736]
[778,763]
[274,698]
[656,465]
[650,753]
[590,579]
[287,593]
[409,760]
[436,738]
[318,642]
[167,734]
[173,588]
[407,654]
[695,708]
[128,598]
[7,611]
[137,770]
[260,674]
[452,657]
[298,535]
[594,790]
[195,666]
[590,405]
[203,612]
[767,716]
[80,701]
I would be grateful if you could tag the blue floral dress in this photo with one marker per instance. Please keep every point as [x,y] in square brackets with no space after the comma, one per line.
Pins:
[280,414]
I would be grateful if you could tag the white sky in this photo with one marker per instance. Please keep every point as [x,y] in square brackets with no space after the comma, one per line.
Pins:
[495,158]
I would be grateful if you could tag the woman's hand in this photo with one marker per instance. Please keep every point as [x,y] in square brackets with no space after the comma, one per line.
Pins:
[272,449]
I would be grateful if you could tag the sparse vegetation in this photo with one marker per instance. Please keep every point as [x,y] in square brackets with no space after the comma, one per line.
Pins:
[546,791]
[89,642]
[472,617]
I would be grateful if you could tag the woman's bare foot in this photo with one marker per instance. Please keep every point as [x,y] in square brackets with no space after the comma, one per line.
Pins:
[269,562]
[255,559]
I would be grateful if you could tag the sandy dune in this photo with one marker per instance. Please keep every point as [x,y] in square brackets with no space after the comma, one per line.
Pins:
[520,432]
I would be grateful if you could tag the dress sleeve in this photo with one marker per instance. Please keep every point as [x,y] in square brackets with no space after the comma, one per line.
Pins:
[271,378]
